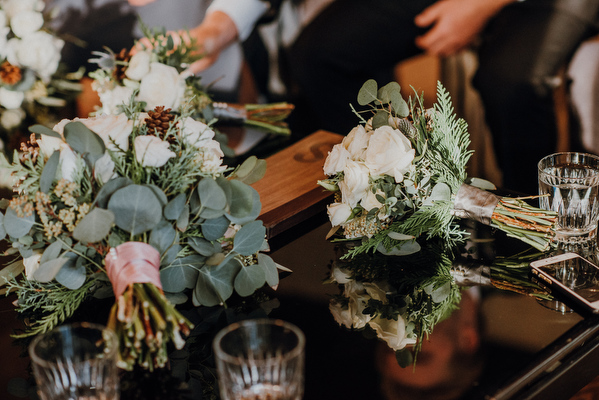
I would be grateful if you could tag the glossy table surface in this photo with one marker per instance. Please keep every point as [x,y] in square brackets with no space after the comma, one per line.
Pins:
[524,349]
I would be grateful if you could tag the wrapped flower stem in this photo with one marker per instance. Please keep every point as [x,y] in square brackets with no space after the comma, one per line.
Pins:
[514,216]
[267,117]
[144,320]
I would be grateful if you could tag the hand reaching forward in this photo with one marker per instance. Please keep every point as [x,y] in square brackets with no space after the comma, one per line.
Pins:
[454,24]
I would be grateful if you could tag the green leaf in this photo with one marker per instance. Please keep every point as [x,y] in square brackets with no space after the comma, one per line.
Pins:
[367,92]
[2,230]
[381,118]
[49,269]
[51,252]
[404,357]
[12,270]
[109,188]
[83,140]
[440,192]
[271,273]
[211,194]
[174,208]
[402,249]
[183,220]
[249,279]
[211,213]
[44,130]
[136,209]
[251,171]
[159,194]
[181,274]
[95,226]
[203,246]
[215,283]
[72,275]
[165,239]
[241,202]
[386,93]
[213,229]
[249,239]
[16,226]
[399,105]
[49,172]
[441,293]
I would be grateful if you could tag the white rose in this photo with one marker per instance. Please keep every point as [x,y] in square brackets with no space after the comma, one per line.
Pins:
[11,99]
[4,49]
[150,151]
[195,133]
[389,152]
[113,98]
[3,19]
[355,184]
[338,213]
[341,314]
[370,201]
[139,65]
[104,168]
[26,22]
[113,129]
[14,7]
[12,118]
[336,160]
[49,144]
[40,51]
[358,299]
[162,86]
[69,163]
[340,275]
[32,263]
[391,331]
[378,290]
[356,142]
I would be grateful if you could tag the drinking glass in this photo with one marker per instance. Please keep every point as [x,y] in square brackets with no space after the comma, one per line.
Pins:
[76,362]
[260,359]
[569,185]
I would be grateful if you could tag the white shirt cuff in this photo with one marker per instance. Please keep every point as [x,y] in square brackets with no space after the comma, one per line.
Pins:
[244,13]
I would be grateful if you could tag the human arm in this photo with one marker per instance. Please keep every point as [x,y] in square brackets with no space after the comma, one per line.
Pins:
[455,24]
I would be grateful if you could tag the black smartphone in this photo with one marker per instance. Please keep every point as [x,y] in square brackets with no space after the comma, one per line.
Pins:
[572,276]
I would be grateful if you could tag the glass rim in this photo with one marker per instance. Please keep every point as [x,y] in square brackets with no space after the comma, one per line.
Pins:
[568,154]
[36,359]
[293,353]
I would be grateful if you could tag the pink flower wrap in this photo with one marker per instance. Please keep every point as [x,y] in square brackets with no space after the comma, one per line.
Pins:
[132,262]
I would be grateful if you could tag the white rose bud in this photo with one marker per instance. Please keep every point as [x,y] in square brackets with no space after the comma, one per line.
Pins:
[391,331]
[150,151]
[389,152]
[355,183]
[370,201]
[32,263]
[139,65]
[11,99]
[356,142]
[336,160]
[162,86]
[49,144]
[26,22]
[338,213]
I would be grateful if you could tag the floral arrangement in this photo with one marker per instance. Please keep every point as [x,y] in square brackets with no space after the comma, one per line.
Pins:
[32,88]
[156,74]
[401,176]
[118,205]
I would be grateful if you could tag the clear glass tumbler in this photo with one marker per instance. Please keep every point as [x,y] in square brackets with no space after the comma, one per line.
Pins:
[569,185]
[260,359]
[76,362]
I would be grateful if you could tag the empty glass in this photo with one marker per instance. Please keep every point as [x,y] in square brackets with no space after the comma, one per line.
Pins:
[260,359]
[569,184]
[76,362]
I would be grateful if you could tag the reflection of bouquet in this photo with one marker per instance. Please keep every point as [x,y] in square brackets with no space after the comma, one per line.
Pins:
[112,204]
[401,176]
[30,88]
[157,75]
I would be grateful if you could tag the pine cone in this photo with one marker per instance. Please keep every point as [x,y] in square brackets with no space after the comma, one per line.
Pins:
[158,122]
[119,71]
[10,74]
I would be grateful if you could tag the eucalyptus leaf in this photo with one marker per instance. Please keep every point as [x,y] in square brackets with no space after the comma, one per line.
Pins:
[440,192]
[249,239]
[83,140]
[441,293]
[176,298]
[159,194]
[243,203]
[174,208]
[251,171]
[44,130]
[386,93]
[404,357]
[51,252]
[183,220]
[181,274]
[368,92]
[49,269]
[109,188]
[49,172]
[249,279]
[211,194]
[215,283]
[211,213]
[165,239]
[271,274]
[11,271]
[16,226]
[399,236]
[381,118]
[213,229]
[399,105]
[72,275]
[2,230]
[95,226]
[203,246]
[402,249]
[136,209]
[482,184]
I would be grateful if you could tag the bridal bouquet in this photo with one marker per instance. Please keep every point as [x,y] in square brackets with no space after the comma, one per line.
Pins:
[401,176]
[31,88]
[119,205]
[156,75]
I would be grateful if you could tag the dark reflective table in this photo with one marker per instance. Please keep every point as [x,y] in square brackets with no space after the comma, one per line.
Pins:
[524,349]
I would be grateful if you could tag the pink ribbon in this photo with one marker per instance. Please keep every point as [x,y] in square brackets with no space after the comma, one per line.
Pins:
[132,262]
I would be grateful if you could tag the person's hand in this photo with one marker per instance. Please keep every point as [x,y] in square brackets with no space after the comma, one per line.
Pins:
[213,35]
[454,24]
